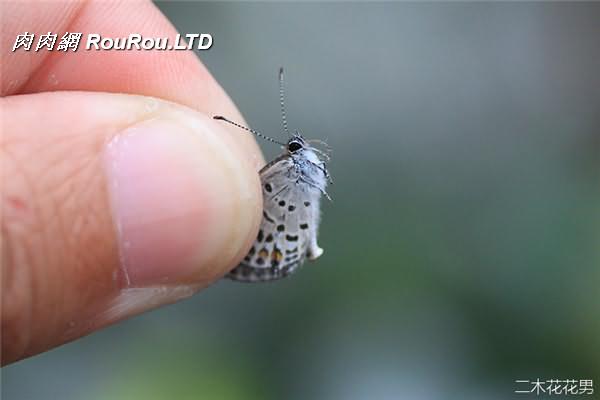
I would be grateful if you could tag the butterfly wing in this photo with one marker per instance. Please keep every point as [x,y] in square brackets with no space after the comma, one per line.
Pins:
[287,234]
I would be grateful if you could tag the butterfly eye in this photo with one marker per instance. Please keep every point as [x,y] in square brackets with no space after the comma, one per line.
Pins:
[294,147]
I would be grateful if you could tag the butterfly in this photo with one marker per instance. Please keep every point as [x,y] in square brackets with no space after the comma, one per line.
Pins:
[292,186]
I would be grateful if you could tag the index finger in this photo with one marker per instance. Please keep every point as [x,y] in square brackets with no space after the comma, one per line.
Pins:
[176,76]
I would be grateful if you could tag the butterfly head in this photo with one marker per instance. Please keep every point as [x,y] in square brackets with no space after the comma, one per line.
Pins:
[296,144]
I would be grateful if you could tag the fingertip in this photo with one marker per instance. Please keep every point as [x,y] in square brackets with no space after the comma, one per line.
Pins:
[184,200]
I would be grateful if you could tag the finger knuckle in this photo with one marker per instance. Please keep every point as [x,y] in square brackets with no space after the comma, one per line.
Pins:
[17,285]
[49,220]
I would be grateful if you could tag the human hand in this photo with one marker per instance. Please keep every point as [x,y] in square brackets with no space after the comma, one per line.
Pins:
[112,203]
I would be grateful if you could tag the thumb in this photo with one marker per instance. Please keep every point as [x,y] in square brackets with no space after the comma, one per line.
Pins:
[112,205]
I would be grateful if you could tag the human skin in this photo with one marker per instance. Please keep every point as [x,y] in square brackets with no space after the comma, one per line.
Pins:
[119,192]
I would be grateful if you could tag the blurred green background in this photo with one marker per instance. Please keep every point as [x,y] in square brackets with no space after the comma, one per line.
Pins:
[462,247]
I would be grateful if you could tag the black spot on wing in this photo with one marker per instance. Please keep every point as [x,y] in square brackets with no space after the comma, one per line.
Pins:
[268,217]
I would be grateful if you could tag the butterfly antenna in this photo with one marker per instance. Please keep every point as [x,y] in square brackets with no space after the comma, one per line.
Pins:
[260,135]
[282,103]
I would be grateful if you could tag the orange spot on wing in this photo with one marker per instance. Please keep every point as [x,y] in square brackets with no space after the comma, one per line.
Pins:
[276,255]
[263,253]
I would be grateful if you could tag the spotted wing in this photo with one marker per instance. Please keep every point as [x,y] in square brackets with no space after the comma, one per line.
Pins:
[287,233]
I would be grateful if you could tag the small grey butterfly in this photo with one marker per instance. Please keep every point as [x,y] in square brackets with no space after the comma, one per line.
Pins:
[292,185]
